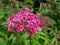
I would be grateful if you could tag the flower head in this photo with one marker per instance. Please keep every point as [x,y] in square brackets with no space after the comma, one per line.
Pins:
[25,21]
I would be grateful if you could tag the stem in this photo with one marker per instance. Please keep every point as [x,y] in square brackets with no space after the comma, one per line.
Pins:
[30,41]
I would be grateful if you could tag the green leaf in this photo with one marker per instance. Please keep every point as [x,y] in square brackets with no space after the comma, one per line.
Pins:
[53,22]
[46,11]
[13,41]
[2,42]
[0,0]
[2,14]
[3,23]
[11,37]
[29,1]
[21,38]
[2,34]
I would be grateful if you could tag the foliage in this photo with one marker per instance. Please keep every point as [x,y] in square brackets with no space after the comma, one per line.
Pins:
[49,8]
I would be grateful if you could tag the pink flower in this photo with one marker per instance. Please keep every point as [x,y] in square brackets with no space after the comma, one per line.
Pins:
[26,9]
[14,1]
[21,27]
[10,23]
[14,22]
[33,27]
[24,20]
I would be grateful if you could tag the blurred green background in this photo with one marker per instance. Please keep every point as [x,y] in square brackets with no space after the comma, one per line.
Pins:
[49,8]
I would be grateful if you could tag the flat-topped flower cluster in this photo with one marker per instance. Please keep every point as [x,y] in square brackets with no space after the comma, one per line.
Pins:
[24,21]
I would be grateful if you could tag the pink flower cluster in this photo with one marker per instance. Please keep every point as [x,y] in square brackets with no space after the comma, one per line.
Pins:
[24,21]
[14,0]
